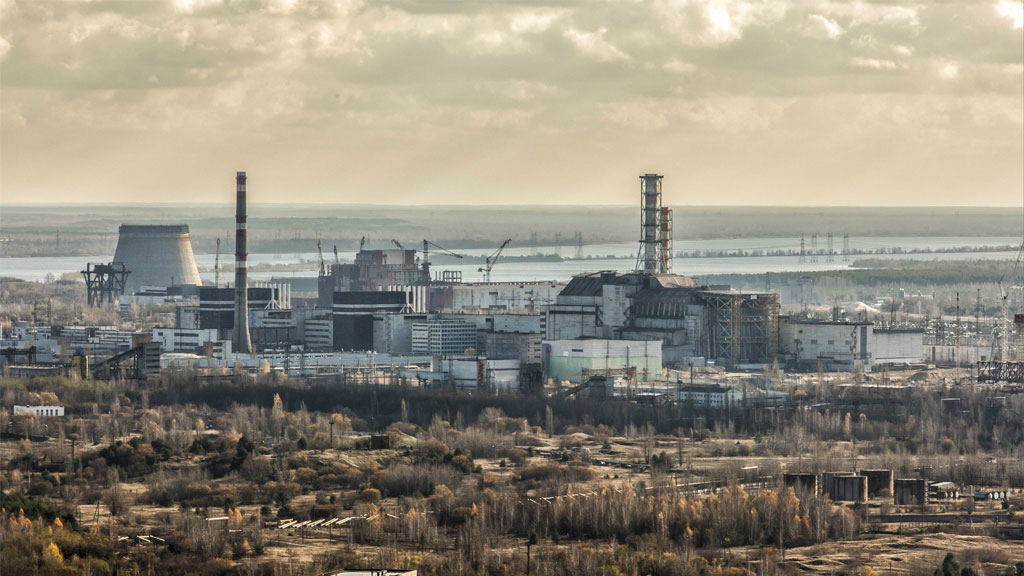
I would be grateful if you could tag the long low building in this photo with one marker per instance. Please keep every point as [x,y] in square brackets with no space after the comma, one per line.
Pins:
[843,345]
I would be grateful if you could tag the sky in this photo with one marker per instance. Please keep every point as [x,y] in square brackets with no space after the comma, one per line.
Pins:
[736,102]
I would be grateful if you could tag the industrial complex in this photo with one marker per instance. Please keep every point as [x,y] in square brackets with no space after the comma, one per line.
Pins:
[395,304]
[396,350]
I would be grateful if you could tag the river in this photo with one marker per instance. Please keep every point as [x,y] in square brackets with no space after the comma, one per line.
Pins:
[619,257]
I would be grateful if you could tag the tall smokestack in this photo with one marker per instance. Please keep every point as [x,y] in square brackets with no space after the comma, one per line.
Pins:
[242,343]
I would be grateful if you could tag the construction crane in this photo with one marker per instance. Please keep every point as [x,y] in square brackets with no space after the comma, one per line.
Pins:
[216,266]
[337,260]
[399,244]
[320,252]
[490,260]
[426,256]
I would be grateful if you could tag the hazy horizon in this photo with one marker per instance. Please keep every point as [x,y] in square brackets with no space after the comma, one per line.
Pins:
[504,103]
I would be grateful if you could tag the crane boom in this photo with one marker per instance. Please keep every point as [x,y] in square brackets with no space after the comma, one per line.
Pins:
[441,248]
[362,243]
[336,259]
[320,252]
[490,261]
[426,255]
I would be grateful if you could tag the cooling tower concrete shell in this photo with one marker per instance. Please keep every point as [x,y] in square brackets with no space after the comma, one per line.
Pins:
[156,256]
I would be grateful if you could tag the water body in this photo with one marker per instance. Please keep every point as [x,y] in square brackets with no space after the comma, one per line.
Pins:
[618,257]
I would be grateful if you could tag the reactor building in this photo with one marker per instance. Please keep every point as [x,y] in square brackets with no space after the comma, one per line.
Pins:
[694,323]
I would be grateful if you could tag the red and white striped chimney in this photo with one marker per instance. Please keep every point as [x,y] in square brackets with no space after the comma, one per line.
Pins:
[241,342]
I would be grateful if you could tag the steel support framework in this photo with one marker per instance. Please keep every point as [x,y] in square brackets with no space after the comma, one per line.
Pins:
[104,282]
[1010,372]
[759,328]
[723,313]
[665,241]
[742,328]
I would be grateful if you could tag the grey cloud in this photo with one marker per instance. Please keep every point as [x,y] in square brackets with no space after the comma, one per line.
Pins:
[537,95]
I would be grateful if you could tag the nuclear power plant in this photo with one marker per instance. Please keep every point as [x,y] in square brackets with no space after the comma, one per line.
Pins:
[156,256]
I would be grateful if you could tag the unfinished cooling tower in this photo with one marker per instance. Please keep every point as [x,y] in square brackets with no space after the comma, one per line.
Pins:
[156,256]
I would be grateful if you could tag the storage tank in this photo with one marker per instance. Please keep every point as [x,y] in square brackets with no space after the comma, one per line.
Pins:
[156,256]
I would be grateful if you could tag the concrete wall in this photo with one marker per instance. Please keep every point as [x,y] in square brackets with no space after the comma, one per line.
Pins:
[947,354]
[501,295]
[897,346]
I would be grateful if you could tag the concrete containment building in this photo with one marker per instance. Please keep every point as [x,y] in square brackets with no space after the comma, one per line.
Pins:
[692,322]
[156,256]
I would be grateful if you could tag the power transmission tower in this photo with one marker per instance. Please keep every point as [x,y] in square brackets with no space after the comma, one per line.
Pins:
[579,245]
[803,251]
[830,257]
[814,247]
[846,247]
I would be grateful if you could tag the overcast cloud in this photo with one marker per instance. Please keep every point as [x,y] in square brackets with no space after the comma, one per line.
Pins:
[736,102]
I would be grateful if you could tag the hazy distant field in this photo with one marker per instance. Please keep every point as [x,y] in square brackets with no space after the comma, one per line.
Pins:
[92,229]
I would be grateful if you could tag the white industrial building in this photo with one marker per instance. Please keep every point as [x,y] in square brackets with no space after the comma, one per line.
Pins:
[191,341]
[467,373]
[393,333]
[442,336]
[40,410]
[504,295]
[708,395]
[840,345]
[576,360]
[834,345]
